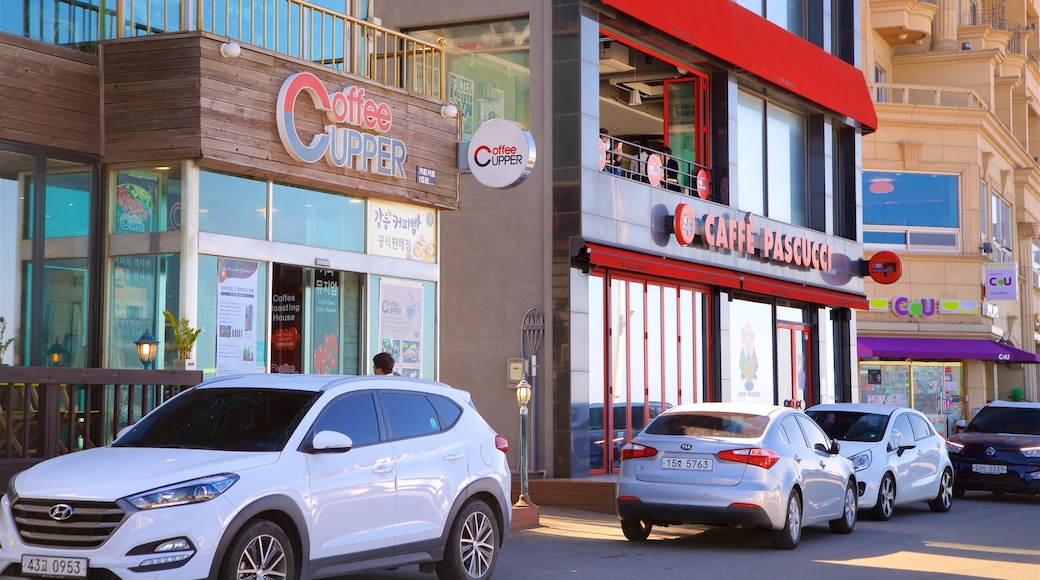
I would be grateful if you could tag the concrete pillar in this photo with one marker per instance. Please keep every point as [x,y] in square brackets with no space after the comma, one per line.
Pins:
[945,27]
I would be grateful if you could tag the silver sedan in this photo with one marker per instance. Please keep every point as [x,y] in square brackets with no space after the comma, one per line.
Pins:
[735,464]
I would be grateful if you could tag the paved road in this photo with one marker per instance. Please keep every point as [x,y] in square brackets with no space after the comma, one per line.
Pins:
[983,536]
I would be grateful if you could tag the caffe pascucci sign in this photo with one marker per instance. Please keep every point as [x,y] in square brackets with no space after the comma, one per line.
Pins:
[355,135]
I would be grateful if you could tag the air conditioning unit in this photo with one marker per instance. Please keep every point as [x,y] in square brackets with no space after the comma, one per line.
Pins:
[613,57]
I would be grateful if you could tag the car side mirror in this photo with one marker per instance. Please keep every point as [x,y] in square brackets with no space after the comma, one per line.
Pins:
[331,442]
[835,447]
[904,446]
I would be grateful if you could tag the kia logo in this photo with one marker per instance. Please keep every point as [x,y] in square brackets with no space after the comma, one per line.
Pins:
[60,512]
[686,447]
[991,451]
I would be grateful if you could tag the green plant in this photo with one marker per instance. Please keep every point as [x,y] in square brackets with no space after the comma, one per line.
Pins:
[4,343]
[184,336]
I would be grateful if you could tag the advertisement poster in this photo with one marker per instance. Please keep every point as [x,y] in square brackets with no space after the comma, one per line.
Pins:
[400,324]
[236,316]
[751,351]
[325,326]
[287,320]
[400,230]
[133,277]
[460,92]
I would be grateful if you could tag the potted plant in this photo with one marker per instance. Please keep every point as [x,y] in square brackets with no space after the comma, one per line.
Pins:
[184,337]
[4,343]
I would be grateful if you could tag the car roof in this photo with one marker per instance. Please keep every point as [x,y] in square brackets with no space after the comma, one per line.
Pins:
[320,383]
[750,408]
[1018,404]
[858,408]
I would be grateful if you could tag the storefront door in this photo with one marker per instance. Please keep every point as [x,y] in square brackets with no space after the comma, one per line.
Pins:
[793,364]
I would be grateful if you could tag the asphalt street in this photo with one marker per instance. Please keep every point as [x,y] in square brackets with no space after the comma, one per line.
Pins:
[983,536]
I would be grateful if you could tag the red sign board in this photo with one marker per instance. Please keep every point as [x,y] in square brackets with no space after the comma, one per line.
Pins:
[685,224]
[653,170]
[702,184]
[885,267]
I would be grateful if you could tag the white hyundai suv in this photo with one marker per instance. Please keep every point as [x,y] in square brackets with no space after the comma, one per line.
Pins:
[271,476]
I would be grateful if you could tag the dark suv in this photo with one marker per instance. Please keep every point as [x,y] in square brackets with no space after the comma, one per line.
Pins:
[999,451]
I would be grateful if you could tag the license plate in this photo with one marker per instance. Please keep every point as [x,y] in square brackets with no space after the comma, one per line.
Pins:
[990,469]
[54,567]
[687,464]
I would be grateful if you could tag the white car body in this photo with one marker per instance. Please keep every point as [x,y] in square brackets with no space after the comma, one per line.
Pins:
[897,442]
[685,467]
[337,503]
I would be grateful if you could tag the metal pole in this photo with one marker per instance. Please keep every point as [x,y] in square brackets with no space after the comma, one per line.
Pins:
[523,453]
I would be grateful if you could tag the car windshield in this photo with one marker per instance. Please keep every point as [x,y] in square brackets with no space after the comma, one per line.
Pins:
[851,426]
[222,419]
[1006,420]
[709,424]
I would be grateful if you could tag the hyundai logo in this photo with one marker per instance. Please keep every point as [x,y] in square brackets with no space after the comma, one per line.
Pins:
[60,512]
[991,451]
[686,447]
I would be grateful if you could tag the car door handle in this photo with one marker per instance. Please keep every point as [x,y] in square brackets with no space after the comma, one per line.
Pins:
[454,457]
[823,464]
[383,469]
[797,459]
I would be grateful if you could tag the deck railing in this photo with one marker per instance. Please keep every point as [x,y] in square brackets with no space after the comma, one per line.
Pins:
[899,94]
[292,27]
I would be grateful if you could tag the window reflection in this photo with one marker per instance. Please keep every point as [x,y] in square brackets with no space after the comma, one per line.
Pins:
[236,206]
[319,219]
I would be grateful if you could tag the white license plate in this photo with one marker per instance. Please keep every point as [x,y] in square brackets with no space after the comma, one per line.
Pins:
[687,464]
[990,469]
[54,567]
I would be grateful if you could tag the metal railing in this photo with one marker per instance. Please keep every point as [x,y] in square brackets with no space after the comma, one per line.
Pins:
[292,27]
[900,94]
[631,162]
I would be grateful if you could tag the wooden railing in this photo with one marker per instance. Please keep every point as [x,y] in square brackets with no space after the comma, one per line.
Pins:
[46,411]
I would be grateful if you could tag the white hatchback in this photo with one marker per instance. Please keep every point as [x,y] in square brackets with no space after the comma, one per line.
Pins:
[271,476]
[898,456]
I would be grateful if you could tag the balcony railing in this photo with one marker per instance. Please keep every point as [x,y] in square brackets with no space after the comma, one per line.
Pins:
[632,161]
[899,94]
[292,27]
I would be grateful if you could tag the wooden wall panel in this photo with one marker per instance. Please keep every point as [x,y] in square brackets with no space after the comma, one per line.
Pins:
[175,96]
[49,96]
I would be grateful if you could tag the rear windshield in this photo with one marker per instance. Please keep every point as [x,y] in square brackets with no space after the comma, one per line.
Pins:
[1006,420]
[709,424]
[851,426]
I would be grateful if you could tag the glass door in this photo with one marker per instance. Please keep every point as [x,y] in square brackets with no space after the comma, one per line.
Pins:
[792,359]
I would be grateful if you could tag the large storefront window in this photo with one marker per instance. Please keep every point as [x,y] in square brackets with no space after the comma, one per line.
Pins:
[141,287]
[771,156]
[232,205]
[933,388]
[489,71]
[318,219]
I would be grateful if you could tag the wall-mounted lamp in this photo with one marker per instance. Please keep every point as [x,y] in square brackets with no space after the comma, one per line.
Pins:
[56,354]
[986,247]
[146,349]
[965,46]
[449,111]
[230,49]
[902,36]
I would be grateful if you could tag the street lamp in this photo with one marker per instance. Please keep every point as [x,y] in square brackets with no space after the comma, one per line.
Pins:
[523,397]
[146,349]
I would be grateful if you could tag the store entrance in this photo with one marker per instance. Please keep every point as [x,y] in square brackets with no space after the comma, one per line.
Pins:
[792,359]
[315,321]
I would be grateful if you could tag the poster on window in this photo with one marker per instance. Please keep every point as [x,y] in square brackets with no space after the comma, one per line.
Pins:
[236,316]
[460,92]
[325,328]
[751,350]
[401,230]
[401,324]
[133,278]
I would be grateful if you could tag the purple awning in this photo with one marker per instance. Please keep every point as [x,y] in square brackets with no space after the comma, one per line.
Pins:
[943,349]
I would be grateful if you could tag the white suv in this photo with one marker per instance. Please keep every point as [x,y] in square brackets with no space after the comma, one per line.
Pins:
[271,476]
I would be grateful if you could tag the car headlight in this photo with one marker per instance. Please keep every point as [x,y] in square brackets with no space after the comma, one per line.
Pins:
[194,491]
[1033,452]
[861,461]
[954,447]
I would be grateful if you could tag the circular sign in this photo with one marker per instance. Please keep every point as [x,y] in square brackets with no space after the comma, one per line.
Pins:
[885,267]
[702,184]
[685,224]
[653,169]
[501,153]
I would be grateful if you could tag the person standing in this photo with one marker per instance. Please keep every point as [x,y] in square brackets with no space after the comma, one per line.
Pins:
[383,364]
[671,173]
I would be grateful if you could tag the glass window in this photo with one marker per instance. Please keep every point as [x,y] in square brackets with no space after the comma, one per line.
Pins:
[1001,215]
[787,14]
[751,153]
[751,352]
[792,433]
[710,424]
[141,287]
[922,428]
[489,71]
[879,79]
[449,411]
[983,211]
[813,434]
[318,219]
[146,200]
[353,415]
[911,210]
[206,349]
[903,432]
[408,415]
[772,153]
[68,204]
[236,206]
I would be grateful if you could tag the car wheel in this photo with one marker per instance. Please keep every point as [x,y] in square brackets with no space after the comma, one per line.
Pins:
[886,499]
[943,501]
[636,530]
[788,537]
[260,550]
[958,492]
[847,522]
[472,549]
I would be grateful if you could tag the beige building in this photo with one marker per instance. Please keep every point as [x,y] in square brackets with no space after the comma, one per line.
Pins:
[951,184]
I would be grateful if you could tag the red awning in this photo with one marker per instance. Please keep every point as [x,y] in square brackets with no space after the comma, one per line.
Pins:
[630,261]
[728,31]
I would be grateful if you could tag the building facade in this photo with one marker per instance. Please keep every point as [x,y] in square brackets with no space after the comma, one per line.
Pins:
[691,229]
[951,184]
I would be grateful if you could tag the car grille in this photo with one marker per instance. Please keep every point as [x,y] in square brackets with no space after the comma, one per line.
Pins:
[90,524]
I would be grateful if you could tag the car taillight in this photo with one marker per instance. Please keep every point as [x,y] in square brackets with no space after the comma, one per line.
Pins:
[954,447]
[764,458]
[635,450]
[502,444]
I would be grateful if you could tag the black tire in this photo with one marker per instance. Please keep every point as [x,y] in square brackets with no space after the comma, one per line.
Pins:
[958,492]
[788,537]
[472,549]
[943,501]
[260,550]
[886,499]
[847,522]
[636,530]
